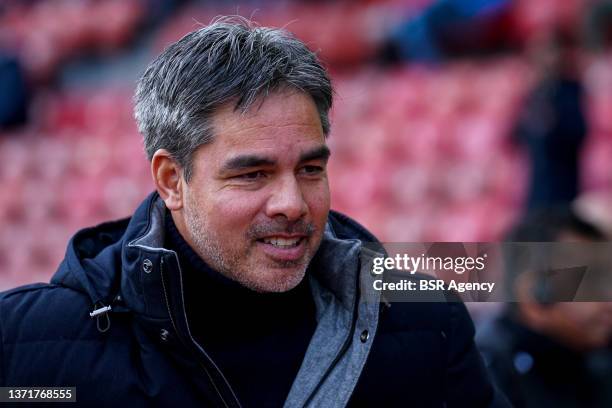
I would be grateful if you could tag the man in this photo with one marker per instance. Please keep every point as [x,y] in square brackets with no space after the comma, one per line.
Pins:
[546,352]
[234,284]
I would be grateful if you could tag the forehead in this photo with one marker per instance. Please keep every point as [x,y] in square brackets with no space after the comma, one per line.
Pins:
[281,118]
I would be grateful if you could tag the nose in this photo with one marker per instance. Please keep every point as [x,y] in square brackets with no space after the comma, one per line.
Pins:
[286,200]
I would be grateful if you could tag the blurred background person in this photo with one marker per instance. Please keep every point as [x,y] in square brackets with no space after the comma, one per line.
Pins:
[552,123]
[542,351]
[14,98]
[448,28]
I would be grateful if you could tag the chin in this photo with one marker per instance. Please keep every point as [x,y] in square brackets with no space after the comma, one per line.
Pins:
[274,280]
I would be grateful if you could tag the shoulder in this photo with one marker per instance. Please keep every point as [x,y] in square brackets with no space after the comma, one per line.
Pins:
[48,327]
[36,295]
[448,318]
[437,309]
[437,339]
[41,312]
[435,321]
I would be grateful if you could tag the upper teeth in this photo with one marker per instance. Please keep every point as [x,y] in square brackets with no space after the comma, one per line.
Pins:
[282,242]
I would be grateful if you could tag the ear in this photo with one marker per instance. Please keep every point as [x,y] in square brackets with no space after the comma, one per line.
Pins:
[167,176]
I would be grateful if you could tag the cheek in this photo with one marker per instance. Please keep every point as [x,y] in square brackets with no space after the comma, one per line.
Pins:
[235,211]
[318,201]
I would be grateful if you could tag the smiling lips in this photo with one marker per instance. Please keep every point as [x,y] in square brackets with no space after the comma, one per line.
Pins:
[282,242]
[284,248]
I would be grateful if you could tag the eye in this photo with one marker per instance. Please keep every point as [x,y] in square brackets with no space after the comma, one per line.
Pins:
[312,170]
[251,176]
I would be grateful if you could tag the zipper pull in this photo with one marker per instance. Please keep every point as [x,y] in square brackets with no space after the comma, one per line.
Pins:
[99,313]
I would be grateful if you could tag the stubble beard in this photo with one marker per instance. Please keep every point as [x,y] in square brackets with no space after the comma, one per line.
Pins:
[233,265]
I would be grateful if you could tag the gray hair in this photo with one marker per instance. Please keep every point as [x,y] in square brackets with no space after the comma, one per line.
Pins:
[230,60]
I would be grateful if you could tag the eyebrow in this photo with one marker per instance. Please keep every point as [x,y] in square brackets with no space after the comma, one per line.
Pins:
[318,153]
[248,161]
[245,162]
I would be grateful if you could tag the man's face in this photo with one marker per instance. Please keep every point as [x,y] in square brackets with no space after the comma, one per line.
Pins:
[580,325]
[256,205]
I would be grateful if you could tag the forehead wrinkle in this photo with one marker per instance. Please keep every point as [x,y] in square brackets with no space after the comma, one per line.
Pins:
[258,138]
[236,129]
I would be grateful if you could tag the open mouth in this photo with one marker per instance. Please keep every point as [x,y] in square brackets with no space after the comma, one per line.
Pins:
[284,248]
[282,243]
